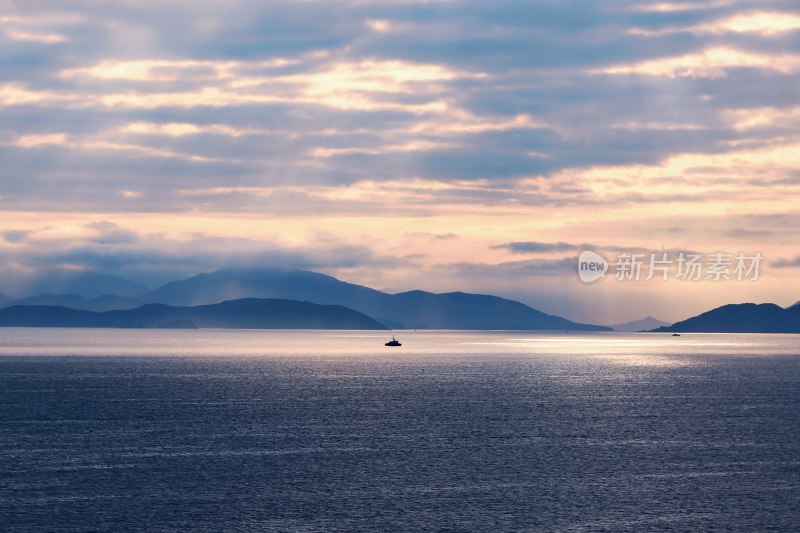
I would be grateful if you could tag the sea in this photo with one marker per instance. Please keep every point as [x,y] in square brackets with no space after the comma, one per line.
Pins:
[328,431]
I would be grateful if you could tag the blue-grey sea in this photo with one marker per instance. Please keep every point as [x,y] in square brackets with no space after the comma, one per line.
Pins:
[210,430]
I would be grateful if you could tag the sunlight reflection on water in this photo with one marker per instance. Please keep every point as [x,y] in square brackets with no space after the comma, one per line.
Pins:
[315,343]
[213,430]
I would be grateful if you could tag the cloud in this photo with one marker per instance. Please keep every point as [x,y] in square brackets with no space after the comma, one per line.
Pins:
[708,63]
[367,85]
[180,129]
[16,236]
[61,140]
[413,146]
[32,141]
[764,23]
[44,38]
[379,26]
[537,247]
[749,233]
[162,70]
[673,7]
[565,266]
[368,105]
[533,247]
[762,117]
[103,246]
[110,233]
[787,263]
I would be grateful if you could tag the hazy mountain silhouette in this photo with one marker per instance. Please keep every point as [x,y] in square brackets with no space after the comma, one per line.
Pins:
[111,302]
[458,310]
[65,300]
[412,310]
[645,324]
[261,283]
[106,302]
[47,316]
[741,318]
[85,284]
[234,314]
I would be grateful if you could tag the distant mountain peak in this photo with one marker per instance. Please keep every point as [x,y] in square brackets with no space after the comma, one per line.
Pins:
[644,324]
[86,284]
[106,302]
[414,309]
[741,318]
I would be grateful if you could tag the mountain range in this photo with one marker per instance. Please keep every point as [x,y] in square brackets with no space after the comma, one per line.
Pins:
[645,324]
[406,310]
[62,281]
[106,302]
[251,313]
[741,318]
[191,302]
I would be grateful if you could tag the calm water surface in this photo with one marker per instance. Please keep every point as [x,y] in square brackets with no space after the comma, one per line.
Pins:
[130,430]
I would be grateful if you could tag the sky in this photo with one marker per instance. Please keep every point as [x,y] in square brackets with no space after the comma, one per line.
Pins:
[439,145]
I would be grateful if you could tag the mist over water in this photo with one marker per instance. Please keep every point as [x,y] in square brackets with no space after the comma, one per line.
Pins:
[215,430]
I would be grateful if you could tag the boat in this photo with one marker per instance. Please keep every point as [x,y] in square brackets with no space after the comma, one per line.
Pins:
[393,342]
[676,334]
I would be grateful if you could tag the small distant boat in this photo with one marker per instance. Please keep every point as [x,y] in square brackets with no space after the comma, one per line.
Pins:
[393,342]
[676,334]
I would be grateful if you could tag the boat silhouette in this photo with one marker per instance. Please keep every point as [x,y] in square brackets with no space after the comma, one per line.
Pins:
[393,342]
